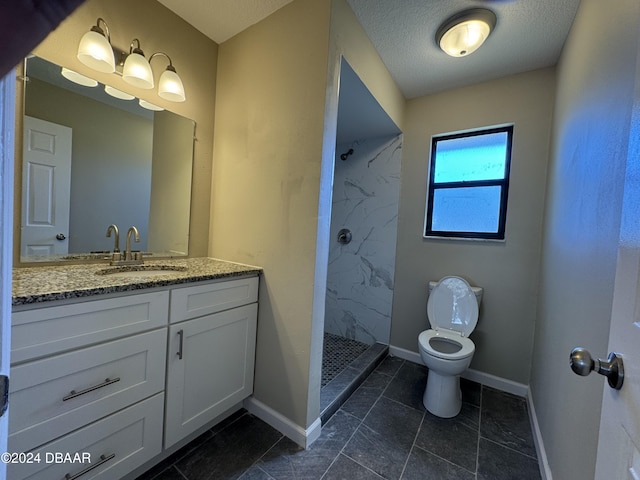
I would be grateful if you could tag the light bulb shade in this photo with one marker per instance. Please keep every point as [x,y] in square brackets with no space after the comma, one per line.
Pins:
[114,92]
[149,106]
[75,77]
[137,71]
[170,87]
[95,51]
[465,32]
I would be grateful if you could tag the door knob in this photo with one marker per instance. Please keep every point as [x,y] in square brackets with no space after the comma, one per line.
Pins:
[612,368]
[61,236]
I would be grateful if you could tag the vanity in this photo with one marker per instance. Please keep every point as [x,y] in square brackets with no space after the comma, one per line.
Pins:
[118,368]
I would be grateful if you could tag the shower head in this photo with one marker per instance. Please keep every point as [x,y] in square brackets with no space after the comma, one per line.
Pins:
[345,155]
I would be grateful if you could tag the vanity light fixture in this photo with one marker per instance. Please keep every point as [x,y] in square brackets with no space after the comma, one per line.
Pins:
[95,51]
[466,31]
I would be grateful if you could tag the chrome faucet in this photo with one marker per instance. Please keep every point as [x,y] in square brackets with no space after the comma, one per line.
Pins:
[114,228]
[128,256]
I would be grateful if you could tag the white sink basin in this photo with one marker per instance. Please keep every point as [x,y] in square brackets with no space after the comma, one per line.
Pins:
[141,271]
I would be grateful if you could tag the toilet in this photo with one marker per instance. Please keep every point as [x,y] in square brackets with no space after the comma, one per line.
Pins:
[446,348]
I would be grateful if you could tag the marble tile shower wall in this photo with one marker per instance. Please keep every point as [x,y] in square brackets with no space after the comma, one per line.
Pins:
[366,189]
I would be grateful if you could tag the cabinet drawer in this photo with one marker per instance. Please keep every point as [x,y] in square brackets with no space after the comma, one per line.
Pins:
[192,302]
[45,331]
[53,396]
[126,439]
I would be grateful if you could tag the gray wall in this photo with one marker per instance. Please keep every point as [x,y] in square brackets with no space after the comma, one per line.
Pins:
[586,178]
[507,270]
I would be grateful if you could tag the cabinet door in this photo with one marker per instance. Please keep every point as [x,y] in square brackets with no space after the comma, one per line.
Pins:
[209,369]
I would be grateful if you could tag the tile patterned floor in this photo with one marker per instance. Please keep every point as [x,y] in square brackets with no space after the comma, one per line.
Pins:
[338,352]
[381,432]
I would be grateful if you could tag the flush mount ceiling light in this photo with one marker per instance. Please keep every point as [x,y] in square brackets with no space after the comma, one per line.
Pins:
[464,32]
[95,51]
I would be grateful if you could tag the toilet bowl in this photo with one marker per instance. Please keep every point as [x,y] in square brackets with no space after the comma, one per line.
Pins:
[445,349]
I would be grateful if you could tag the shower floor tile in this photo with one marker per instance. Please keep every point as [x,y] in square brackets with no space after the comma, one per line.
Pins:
[337,354]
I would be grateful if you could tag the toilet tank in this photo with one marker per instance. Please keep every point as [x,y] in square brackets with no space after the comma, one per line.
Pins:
[478,291]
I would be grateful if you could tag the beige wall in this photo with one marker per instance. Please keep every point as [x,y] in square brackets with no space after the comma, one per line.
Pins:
[508,271]
[195,59]
[582,223]
[273,168]
[267,156]
[349,39]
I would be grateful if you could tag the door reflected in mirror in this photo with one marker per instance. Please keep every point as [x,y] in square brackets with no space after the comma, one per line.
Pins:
[91,160]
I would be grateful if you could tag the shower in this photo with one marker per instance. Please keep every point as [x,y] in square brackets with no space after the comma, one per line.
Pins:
[364,213]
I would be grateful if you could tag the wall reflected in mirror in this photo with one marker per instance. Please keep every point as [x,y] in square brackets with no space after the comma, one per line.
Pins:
[91,160]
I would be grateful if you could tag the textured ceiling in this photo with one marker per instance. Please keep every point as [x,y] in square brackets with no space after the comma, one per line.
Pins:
[529,34]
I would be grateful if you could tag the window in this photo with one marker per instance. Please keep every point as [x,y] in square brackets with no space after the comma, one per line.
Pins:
[468,184]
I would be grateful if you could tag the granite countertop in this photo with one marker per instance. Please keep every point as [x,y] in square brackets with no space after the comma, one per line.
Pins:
[47,283]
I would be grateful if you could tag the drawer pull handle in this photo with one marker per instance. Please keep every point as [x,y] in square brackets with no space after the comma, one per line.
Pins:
[74,394]
[103,459]
[181,344]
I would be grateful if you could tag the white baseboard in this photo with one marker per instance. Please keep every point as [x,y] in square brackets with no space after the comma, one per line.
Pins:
[303,437]
[499,383]
[405,354]
[543,462]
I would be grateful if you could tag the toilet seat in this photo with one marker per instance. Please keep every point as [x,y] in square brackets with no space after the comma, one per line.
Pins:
[453,306]
[452,309]
[467,347]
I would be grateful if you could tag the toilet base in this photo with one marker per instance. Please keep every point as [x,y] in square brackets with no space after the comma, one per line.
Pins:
[442,397]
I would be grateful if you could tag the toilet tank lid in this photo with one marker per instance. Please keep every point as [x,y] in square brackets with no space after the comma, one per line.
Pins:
[453,305]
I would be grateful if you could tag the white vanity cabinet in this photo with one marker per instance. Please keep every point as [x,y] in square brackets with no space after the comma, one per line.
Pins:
[210,364]
[75,364]
[122,379]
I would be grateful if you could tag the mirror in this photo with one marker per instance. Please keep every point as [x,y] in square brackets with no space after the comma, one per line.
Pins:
[91,160]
